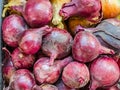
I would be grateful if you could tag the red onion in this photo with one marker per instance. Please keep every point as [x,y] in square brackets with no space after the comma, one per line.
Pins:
[21,60]
[84,8]
[7,69]
[31,41]
[104,72]
[38,13]
[46,73]
[12,27]
[75,75]
[107,33]
[45,87]
[86,47]
[57,44]
[22,79]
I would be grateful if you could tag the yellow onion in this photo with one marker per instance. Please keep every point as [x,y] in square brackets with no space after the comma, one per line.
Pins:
[110,8]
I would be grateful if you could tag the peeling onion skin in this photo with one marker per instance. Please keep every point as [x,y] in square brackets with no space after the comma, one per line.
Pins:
[13,27]
[22,79]
[86,47]
[38,13]
[104,72]
[46,73]
[31,40]
[57,44]
[76,75]
[21,60]
[8,68]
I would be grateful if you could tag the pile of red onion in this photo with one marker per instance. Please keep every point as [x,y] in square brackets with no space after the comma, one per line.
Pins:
[41,56]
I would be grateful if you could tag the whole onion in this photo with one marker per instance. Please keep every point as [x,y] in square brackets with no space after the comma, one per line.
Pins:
[21,60]
[31,40]
[110,8]
[104,72]
[37,13]
[46,73]
[22,79]
[107,33]
[75,75]
[13,27]
[86,47]
[57,44]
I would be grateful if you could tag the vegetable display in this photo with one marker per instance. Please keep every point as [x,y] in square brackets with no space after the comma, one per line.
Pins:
[61,45]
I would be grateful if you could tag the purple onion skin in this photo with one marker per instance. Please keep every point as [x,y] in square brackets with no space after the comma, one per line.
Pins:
[57,44]
[31,41]
[100,69]
[86,47]
[12,27]
[45,87]
[21,60]
[22,79]
[8,68]
[46,73]
[84,8]
[38,13]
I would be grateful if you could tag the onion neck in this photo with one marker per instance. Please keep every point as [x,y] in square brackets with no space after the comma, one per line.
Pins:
[65,61]
[94,85]
[52,58]
[68,10]
[104,50]
[43,30]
